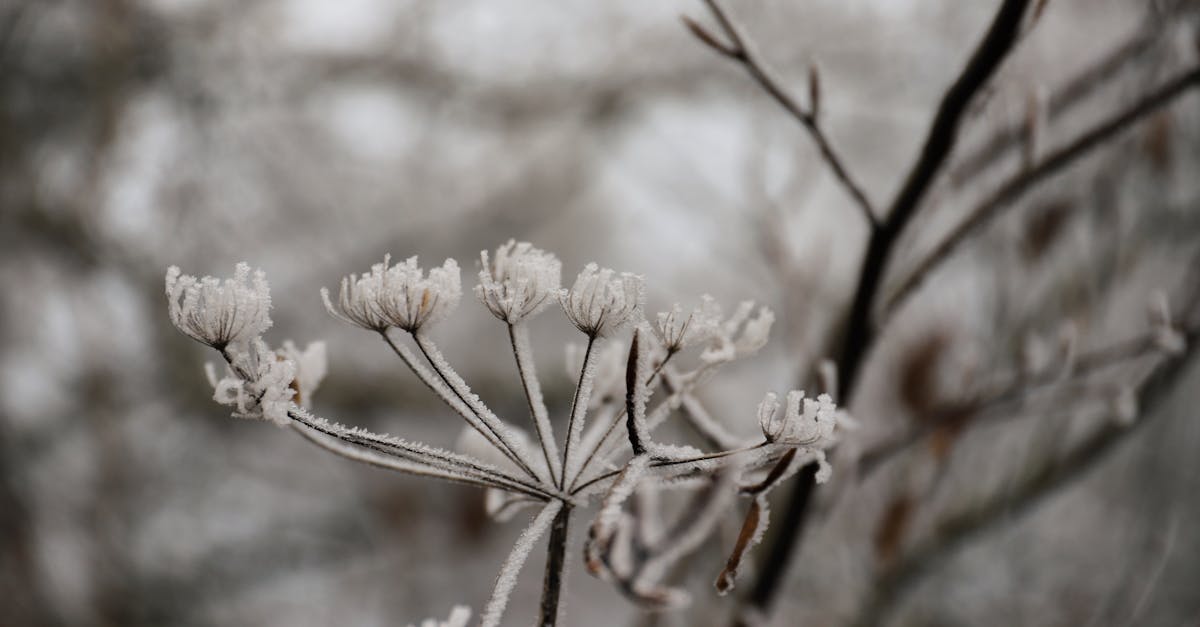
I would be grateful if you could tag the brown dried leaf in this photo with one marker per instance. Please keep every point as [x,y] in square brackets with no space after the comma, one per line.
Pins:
[728,575]
[1044,228]
[918,380]
[1157,141]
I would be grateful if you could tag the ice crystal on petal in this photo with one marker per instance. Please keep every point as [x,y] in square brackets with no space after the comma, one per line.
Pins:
[677,331]
[399,296]
[519,282]
[768,409]
[358,298]
[219,313]
[804,422]
[600,303]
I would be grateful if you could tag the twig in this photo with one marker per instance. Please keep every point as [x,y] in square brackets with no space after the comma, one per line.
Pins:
[578,411]
[1074,92]
[739,50]
[556,562]
[1014,391]
[959,529]
[1022,182]
[992,50]
[518,336]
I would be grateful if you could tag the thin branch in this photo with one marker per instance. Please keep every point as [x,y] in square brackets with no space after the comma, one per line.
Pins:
[441,388]
[1022,182]
[578,409]
[992,50]
[671,463]
[556,567]
[598,451]
[960,529]
[460,389]
[506,580]
[741,51]
[373,458]
[435,459]
[519,337]
[713,432]
[1073,93]
[1012,392]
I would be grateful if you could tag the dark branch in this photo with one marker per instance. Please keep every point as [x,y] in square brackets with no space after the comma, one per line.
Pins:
[997,43]
[1022,182]
[739,50]
[1044,481]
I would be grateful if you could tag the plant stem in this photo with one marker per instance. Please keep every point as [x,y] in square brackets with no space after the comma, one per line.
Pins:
[556,561]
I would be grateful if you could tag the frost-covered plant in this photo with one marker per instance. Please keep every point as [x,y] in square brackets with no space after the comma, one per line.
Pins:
[611,460]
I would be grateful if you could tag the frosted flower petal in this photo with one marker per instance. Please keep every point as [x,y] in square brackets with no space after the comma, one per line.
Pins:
[520,282]
[219,313]
[398,296]
[601,302]
[677,331]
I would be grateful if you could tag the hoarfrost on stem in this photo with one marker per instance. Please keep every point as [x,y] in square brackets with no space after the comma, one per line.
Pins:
[515,284]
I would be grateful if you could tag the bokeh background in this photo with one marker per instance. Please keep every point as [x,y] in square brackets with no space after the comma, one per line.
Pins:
[310,138]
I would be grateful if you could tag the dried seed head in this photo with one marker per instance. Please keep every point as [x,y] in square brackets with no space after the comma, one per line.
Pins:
[600,303]
[740,335]
[804,422]
[269,392]
[519,282]
[400,296]
[677,331]
[219,313]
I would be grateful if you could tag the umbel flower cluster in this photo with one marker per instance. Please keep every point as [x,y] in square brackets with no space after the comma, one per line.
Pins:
[605,452]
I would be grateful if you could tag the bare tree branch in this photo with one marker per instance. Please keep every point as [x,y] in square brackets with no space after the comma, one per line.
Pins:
[1075,92]
[742,51]
[1022,182]
[1001,37]
[1014,391]
[1058,472]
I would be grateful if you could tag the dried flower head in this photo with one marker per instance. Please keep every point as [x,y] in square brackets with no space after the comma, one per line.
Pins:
[677,331]
[519,282]
[219,313]
[258,383]
[600,303]
[739,335]
[805,421]
[399,296]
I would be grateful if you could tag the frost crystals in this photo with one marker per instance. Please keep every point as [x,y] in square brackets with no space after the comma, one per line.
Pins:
[600,303]
[519,282]
[400,296]
[216,313]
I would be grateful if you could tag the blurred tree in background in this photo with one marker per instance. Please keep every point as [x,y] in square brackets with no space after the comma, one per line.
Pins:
[998,475]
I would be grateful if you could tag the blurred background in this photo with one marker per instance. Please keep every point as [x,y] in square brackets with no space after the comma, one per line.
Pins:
[310,138]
